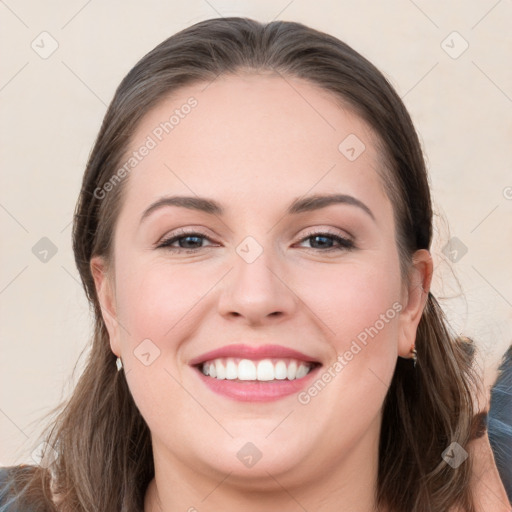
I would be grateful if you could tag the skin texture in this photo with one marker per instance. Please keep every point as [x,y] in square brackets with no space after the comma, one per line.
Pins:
[255,143]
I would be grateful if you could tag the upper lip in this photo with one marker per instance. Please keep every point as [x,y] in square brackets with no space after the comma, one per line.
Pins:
[253,352]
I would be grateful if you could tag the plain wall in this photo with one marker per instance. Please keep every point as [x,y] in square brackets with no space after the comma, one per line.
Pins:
[52,109]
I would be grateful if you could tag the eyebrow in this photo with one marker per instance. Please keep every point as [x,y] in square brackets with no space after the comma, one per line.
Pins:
[299,205]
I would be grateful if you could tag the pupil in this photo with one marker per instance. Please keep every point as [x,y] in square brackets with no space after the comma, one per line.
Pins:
[322,238]
[196,238]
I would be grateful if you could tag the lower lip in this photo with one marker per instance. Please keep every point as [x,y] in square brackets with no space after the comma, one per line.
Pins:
[257,391]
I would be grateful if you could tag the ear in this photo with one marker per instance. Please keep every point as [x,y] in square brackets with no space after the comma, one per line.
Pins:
[104,285]
[414,298]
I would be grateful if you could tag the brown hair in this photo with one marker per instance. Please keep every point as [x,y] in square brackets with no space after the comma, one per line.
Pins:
[105,460]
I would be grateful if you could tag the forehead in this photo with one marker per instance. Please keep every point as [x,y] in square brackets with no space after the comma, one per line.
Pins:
[247,136]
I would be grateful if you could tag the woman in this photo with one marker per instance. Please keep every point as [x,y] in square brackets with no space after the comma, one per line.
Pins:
[255,372]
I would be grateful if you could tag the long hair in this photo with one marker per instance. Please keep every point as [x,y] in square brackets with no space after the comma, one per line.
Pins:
[104,451]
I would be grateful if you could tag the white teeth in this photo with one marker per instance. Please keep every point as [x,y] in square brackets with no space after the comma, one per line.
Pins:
[264,370]
[302,371]
[220,369]
[280,370]
[246,370]
[231,370]
[292,370]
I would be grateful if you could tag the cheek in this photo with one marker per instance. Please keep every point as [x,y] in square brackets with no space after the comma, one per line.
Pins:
[156,307]
[359,307]
[156,301]
[355,297]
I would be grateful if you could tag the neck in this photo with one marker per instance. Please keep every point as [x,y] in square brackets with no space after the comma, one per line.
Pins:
[348,484]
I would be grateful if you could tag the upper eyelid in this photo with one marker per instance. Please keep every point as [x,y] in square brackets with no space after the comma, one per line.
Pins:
[329,231]
[311,231]
[185,232]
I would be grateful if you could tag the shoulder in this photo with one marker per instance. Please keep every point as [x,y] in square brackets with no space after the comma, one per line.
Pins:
[500,421]
[8,500]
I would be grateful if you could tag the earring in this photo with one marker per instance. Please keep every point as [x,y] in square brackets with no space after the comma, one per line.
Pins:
[414,355]
[119,363]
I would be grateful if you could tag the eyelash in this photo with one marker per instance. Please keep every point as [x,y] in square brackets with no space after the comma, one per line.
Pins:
[345,244]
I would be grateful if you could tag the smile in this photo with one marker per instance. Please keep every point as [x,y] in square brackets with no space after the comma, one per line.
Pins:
[255,373]
[263,370]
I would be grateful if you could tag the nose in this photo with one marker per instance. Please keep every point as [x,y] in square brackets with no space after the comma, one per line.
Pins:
[257,291]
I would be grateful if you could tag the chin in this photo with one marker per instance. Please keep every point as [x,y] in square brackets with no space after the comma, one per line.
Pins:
[250,458]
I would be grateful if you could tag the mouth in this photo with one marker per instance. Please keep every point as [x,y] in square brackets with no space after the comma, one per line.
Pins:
[262,373]
[264,370]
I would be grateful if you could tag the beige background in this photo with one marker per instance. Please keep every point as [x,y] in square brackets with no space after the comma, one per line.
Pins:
[52,109]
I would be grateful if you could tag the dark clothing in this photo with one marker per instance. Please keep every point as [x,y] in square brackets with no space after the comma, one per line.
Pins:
[500,422]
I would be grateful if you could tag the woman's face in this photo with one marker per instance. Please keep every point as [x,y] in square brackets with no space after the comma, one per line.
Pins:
[258,291]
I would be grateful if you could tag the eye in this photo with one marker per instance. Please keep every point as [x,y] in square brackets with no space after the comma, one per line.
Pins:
[324,238]
[192,241]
